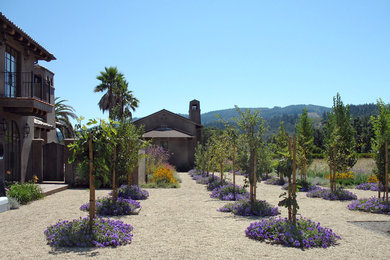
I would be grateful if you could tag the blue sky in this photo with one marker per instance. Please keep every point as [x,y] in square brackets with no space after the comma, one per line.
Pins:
[223,53]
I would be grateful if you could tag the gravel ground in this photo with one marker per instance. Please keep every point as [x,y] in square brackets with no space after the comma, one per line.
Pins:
[184,224]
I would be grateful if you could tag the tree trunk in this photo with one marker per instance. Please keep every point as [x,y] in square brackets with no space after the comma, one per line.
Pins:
[234,173]
[91,185]
[221,170]
[294,213]
[387,171]
[255,177]
[114,186]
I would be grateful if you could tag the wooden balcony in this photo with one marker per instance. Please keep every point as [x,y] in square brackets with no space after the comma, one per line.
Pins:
[25,94]
[25,106]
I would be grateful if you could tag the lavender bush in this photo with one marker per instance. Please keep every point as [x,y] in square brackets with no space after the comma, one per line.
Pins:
[225,192]
[373,205]
[305,234]
[326,194]
[215,182]
[107,207]
[260,208]
[76,233]
[275,181]
[369,186]
[133,192]
[303,186]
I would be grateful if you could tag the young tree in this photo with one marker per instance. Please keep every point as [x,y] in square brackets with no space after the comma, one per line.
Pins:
[129,140]
[221,151]
[92,153]
[305,139]
[232,135]
[252,127]
[340,142]
[381,125]
[281,141]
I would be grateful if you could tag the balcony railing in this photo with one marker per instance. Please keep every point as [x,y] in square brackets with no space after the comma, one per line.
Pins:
[25,84]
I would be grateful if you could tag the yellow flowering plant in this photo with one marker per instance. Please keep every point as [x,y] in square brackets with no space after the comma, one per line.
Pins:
[164,174]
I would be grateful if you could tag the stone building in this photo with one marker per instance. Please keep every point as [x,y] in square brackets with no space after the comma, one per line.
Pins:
[27,119]
[177,134]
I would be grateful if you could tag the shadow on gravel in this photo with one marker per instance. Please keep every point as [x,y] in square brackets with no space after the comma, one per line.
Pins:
[80,251]
[380,227]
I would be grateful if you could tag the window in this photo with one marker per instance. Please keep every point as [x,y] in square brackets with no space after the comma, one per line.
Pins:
[194,107]
[164,144]
[10,72]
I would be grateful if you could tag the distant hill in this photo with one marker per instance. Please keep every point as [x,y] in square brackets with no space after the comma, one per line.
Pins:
[288,114]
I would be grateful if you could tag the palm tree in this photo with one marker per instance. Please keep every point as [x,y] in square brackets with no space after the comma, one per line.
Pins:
[111,81]
[63,113]
[126,101]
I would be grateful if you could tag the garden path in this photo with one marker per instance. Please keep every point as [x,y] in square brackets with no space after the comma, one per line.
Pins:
[184,224]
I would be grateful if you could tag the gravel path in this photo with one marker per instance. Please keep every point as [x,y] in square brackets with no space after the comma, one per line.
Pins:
[184,224]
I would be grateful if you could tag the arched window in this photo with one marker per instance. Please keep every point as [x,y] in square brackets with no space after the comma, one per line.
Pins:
[12,152]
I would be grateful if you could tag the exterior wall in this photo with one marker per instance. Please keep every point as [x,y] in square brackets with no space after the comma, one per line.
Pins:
[182,149]
[25,63]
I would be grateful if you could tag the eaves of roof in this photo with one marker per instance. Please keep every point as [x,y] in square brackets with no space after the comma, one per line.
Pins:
[16,32]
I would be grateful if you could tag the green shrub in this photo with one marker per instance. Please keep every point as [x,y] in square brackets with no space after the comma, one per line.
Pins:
[159,185]
[365,155]
[25,192]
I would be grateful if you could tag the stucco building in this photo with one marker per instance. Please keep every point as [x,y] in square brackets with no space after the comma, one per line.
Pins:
[27,119]
[177,134]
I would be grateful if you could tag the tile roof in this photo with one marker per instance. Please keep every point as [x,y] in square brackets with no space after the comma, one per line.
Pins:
[5,22]
[171,133]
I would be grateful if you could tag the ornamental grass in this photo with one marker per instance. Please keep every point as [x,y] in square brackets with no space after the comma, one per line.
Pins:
[108,207]
[76,233]
[327,194]
[259,208]
[225,192]
[305,234]
[372,205]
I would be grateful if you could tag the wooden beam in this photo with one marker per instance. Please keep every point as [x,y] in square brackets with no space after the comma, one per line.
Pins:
[20,38]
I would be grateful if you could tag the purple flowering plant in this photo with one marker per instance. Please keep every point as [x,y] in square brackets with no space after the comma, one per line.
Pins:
[370,186]
[259,208]
[225,192]
[305,234]
[302,185]
[215,182]
[373,205]
[133,192]
[77,233]
[275,181]
[327,194]
[106,206]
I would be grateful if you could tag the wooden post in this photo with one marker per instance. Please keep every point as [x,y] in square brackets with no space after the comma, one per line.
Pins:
[91,185]
[221,170]
[294,215]
[387,171]
[114,188]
